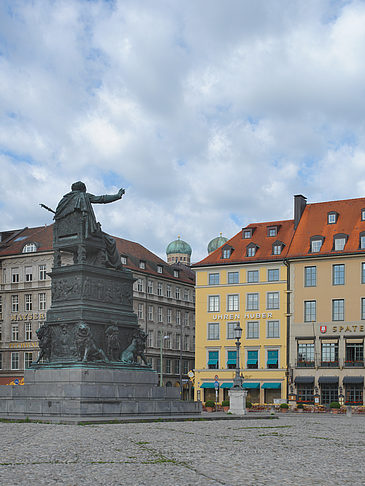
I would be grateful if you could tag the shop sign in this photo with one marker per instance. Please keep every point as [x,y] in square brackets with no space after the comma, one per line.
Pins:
[342,329]
[236,317]
[28,317]
[28,344]
[323,329]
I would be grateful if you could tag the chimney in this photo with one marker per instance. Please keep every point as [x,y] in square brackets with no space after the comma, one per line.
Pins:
[300,203]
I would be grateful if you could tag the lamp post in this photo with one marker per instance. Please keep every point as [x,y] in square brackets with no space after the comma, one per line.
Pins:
[237,332]
[161,343]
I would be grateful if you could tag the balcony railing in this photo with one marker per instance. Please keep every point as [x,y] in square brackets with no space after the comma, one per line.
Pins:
[329,364]
[305,364]
[354,364]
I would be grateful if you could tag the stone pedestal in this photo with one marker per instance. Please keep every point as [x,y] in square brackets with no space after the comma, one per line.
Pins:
[237,401]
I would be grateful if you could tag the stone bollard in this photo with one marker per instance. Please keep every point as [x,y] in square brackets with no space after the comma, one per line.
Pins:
[349,411]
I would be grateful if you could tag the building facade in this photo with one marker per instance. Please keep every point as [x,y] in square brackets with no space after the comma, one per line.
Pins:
[163,301]
[244,282]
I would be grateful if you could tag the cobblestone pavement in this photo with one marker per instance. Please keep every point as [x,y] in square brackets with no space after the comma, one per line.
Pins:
[294,450]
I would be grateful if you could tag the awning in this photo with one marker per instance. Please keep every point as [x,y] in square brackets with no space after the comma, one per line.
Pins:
[207,385]
[226,385]
[231,361]
[212,362]
[271,386]
[251,386]
[304,379]
[252,361]
[272,361]
[328,379]
[353,379]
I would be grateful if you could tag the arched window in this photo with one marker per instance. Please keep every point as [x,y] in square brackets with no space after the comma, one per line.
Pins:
[30,248]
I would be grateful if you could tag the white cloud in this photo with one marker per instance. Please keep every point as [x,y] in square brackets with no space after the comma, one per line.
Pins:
[211,114]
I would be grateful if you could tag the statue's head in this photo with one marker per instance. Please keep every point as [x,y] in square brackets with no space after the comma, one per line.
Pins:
[78,186]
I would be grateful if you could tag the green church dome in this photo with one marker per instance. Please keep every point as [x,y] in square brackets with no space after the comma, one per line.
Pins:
[216,243]
[178,246]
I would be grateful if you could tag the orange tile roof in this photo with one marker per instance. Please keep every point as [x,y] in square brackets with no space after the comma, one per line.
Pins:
[43,237]
[314,222]
[259,238]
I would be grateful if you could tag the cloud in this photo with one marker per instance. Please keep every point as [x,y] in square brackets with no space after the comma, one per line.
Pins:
[212,115]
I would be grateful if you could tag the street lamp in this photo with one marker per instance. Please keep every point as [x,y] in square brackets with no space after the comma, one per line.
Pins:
[161,343]
[237,332]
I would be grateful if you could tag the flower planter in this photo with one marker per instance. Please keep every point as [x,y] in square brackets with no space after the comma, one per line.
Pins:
[225,409]
[209,409]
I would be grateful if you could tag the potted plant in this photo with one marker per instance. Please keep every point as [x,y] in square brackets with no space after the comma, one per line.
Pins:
[248,404]
[225,405]
[284,407]
[300,407]
[209,405]
[335,407]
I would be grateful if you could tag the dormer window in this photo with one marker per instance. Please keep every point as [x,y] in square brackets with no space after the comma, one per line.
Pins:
[316,244]
[251,249]
[142,265]
[332,217]
[339,242]
[227,252]
[362,240]
[29,248]
[159,269]
[176,273]
[124,259]
[247,234]
[277,247]
[272,231]
[363,214]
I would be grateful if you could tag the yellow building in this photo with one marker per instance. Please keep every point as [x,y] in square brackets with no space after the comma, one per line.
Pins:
[244,281]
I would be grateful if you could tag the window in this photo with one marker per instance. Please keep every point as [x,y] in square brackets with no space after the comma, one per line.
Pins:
[168,366]
[213,360]
[177,293]
[29,248]
[252,302]
[276,248]
[316,244]
[226,253]
[14,303]
[28,302]
[1,361]
[14,361]
[15,332]
[150,313]
[273,329]
[159,289]
[177,341]
[167,340]
[252,276]
[310,310]
[272,231]
[186,342]
[178,317]
[1,305]
[230,329]
[176,273]
[329,354]
[1,333]
[272,358]
[159,269]
[362,308]
[142,265]
[140,285]
[339,243]
[338,310]
[252,359]
[186,295]
[149,287]
[310,276]
[272,301]
[353,394]
[363,273]
[169,315]
[273,275]
[305,355]
[150,338]
[42,301]
[28,331]
[338,274]
[233,278]
[251,251]
[140,311]
[329,393]
[213,330]
[233,302]
[362,240]
[247,234]
[14,275]
[214,279]
[186,319]
[305,393]
[42,272]
[168,291]
[231,360]
[213,303]
[158,339]
[253,330]
[331,218]
[354,355]
[177,367]
[28,274]
[185,366]
[123,260]
[28,359]
[159,311]
[363,215]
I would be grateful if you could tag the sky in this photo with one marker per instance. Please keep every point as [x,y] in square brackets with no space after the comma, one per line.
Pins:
[211,114]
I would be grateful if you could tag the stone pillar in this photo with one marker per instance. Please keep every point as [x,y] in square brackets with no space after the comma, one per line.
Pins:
[237,400]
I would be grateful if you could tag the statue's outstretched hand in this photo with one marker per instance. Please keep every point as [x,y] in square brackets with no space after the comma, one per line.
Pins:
[121,192]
